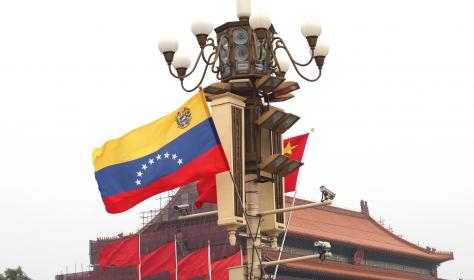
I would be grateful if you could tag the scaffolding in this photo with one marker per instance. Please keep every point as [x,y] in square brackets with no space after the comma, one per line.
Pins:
[164,208]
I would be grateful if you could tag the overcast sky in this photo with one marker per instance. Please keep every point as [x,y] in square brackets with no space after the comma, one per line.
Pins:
[393,114]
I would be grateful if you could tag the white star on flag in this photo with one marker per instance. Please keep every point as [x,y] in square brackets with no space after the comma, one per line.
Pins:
[141,172]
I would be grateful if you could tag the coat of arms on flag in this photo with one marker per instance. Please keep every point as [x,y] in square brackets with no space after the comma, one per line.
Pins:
[183,118]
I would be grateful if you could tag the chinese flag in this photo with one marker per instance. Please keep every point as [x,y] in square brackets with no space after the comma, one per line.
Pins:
[194,265]
[294,148]
[121,253]
[220,268]
[161,260]
[207,191]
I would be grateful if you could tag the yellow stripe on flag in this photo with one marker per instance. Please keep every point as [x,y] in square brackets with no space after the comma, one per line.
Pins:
[151,137]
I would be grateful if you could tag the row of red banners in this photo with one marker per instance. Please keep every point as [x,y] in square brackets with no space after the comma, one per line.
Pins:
[126,252]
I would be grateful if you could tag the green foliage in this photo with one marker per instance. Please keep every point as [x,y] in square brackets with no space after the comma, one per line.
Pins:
[14,274]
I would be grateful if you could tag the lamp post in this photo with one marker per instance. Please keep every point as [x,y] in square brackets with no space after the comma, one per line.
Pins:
[248,58]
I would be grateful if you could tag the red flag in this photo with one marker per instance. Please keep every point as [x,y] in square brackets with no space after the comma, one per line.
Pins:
[207,191]
[194,265]
[121,253]
[161,260]
[294,148]
[220,268]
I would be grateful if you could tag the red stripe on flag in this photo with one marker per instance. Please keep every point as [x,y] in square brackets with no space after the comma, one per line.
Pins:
[211,162]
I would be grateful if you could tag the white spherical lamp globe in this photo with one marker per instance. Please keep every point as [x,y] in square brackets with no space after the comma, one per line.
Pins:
[284,64]
[168,44]
[322,49]
[201,27]
[260,20]
[181,61]
[310,28]
[243,8]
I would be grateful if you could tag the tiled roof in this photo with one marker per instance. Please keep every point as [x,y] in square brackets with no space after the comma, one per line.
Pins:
[348,270]
[357,229]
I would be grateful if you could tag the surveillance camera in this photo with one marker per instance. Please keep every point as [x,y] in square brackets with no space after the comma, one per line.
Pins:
[323,248]
[326,194]
[182,208]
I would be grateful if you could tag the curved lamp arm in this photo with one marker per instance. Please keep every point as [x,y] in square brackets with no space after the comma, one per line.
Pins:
[280,44]
[210,43]
[192,70]
[202,76]
[201,54]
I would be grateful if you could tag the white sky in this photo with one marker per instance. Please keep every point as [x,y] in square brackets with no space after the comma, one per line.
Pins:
[393,113]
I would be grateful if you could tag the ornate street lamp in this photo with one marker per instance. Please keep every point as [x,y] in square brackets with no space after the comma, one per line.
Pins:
[243,52]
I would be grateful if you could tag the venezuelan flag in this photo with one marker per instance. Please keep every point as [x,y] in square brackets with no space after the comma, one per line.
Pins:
[175,150]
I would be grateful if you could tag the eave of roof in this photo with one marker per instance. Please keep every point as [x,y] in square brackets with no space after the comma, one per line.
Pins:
[348,270]
[357,230]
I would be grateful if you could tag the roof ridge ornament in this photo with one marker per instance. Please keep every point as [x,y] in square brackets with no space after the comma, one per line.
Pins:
[364,208]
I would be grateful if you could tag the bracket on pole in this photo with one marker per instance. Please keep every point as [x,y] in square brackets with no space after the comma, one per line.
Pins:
[297,259]
[299,207]
[197,215]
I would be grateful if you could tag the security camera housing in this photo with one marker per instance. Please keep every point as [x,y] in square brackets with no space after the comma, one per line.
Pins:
[326,194]
[182,208]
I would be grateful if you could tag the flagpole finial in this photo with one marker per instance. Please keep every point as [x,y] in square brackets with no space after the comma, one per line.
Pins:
[312,130]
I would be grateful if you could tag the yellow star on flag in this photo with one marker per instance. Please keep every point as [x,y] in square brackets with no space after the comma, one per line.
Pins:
[289,149]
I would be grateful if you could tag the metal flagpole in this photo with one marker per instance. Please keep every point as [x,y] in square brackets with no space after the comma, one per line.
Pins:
[284,235]
[139,257]
[241,256]
[175,259]
[209,258]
